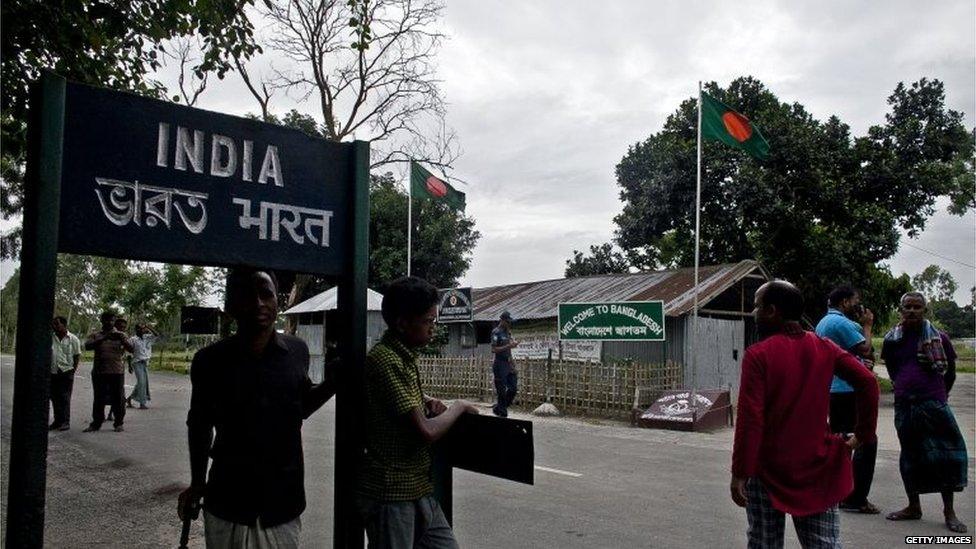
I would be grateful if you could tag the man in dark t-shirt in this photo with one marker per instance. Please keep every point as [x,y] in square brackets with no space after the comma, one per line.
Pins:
[250,394]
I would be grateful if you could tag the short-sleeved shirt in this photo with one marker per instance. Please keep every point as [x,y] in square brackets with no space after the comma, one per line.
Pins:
[64,352]
[910,378]
[255,406]
[396,466]
[108,354]
[500,337]
[142,347]
[847,334]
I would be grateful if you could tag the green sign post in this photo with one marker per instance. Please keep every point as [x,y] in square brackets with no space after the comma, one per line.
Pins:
[621,321]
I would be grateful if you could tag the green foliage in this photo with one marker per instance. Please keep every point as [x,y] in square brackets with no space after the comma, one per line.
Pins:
[141,292]
[935,283]
[360,24]
[112,43]
[822,210]
[885,385]
[8,312]
[958,322]
[603,259]
[293,119]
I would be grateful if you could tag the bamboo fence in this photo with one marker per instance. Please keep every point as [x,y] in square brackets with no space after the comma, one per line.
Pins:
[588,388]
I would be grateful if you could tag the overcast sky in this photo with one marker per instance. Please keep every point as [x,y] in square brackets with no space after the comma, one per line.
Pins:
[546,96]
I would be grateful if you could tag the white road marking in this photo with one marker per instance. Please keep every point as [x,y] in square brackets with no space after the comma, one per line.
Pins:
[558,471]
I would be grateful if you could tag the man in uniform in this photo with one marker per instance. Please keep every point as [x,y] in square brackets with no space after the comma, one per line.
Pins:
[506,380]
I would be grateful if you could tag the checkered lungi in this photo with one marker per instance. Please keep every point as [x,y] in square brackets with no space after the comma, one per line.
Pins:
[933,450]
[767,524]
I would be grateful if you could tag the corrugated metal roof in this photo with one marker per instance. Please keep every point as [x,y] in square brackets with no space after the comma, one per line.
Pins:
[538,300]
[327,300]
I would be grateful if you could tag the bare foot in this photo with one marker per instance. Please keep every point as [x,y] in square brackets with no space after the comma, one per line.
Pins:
[908,513]
[953,524]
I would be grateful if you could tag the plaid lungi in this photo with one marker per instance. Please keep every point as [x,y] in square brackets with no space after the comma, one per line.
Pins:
[767,525]
[933,451]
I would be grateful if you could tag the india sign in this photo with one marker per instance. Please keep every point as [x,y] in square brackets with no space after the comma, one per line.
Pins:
[622,321]
[147,179]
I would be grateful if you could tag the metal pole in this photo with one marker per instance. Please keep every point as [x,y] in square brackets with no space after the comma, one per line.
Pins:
[347,526]
[694,338]
[409,217]
[27,473]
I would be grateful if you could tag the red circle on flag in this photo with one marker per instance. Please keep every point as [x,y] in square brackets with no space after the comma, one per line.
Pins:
[436,187]
[737,125]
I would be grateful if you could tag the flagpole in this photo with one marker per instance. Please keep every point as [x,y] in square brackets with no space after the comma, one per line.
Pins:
[694,339]
[409,216]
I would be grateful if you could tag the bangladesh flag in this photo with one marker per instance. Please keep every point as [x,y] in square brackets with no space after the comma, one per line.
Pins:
[723,124]
[424,184]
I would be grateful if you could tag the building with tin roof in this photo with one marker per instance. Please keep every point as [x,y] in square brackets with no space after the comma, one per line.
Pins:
[725,322]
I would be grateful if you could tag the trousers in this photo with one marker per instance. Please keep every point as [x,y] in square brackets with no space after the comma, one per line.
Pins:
[108,390]
[62,384]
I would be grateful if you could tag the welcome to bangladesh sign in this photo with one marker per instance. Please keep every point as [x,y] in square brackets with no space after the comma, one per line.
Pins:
[623,321]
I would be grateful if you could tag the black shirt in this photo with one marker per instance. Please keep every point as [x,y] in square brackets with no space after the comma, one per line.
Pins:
[256,405]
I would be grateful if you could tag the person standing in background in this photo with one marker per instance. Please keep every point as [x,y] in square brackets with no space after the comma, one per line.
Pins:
[66,350]
[503,368]
[141,354]
[108,373]
[848,324]
[922,365]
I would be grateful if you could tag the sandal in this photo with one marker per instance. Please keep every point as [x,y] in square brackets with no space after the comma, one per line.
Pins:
[904,514]
[867,508]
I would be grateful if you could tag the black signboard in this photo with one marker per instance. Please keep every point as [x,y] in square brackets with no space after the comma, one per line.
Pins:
[199,320]
[455,305]
[113,174]
[490,445]
[151,180]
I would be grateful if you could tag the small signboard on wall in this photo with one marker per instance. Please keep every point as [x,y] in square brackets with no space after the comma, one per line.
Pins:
[455,305]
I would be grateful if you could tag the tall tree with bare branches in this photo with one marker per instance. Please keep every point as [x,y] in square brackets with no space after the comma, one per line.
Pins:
[369,67]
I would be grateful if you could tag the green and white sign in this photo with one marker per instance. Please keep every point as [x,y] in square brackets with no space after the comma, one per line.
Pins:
[622,321]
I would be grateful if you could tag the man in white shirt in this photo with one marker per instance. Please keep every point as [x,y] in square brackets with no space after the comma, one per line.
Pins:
[65,355]
[141,353]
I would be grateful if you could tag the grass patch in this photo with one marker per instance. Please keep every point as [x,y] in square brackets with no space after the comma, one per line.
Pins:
[167,361]
[885,385]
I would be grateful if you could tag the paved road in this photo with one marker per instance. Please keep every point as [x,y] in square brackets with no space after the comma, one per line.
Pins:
[606,484]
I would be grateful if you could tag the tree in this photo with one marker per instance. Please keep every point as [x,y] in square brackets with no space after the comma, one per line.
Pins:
[113,43]
[956,321]
[369,65]
[822,210]
[603,259]
[141,291]
[9,296]
[935,283]
[442,244]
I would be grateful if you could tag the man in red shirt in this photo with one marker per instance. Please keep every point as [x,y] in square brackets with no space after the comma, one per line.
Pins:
[785,459]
